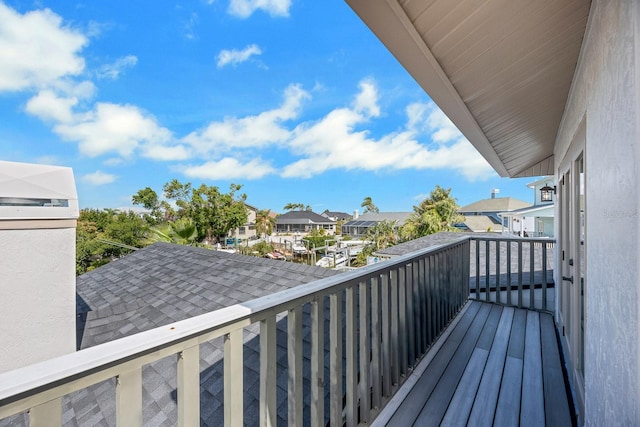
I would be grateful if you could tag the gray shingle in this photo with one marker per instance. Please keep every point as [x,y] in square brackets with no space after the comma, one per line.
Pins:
[165,283]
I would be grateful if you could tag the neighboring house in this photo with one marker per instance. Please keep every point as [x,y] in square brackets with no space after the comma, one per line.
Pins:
[553,91]
[491,208]
[248,229]
[359,226]
[480,224]
[336,216]
[540,215]
[304,222]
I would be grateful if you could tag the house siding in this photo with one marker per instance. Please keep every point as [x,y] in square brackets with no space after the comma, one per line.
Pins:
[605,94]
[37,295]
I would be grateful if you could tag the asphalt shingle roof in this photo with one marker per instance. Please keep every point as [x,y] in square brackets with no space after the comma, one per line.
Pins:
[498,204]
[375,217]
[162,284]
[307,217]
[428,241]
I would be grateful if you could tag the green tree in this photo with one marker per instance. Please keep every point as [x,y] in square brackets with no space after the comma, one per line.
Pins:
[148,199]
[368,205]
[104,235]
[216,213]
[381,236]
[264,222]
[438,212]
[213,212]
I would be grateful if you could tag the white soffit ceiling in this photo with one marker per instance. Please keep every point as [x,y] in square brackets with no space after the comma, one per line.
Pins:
[500,69]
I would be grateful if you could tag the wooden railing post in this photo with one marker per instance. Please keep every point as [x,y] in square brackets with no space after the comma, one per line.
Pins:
[317,362]
[129,398]
[294,368]
[189,387]
[268,357]
[233,379]
[335,358]
[47,414]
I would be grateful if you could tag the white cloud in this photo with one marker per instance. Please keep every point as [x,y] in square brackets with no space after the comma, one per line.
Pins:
[443,129]
[166,152]
[113,71]
[367,100]
[252,131]
[235,56]
[229,168]
[48,159]
[114,161]
[49,106]
[190,26]
[98,178]
[112,128]
[334,142]
[36,49]
[245,8]
[72,88]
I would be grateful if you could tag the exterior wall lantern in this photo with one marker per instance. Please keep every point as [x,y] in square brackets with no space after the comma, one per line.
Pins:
[546,193]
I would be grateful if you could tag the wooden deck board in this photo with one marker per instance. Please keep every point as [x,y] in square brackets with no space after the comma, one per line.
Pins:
[460,407]
[508,408]
[485,404]
[414,402]
[532,407]
[435,408]
[499,366]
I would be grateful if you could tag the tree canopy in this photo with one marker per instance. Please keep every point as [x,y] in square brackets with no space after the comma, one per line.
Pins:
[104,235]
[368,205]
[213,212]
[296,206]
[265,222]
[438,212]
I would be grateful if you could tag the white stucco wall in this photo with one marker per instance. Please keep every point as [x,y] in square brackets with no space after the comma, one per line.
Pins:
[607,92]
[37,295]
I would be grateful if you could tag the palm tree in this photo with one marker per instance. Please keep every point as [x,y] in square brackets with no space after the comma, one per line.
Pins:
[369,206]
[182,231]
[264,222]
[294,206]
[438,212]
[383,234]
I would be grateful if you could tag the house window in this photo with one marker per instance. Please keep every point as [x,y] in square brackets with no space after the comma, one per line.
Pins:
[242,230]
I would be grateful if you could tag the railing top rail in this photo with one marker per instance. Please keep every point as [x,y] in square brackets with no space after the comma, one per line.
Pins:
[503,238]
[48,374]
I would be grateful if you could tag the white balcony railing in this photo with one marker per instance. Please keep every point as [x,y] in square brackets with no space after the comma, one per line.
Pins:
[381,320]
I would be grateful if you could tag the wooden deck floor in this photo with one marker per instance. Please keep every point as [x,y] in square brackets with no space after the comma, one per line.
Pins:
[498,366]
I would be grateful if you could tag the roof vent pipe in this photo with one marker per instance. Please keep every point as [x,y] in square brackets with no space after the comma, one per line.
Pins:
[494,192]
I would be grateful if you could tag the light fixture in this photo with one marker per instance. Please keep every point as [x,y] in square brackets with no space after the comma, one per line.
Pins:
[546,192]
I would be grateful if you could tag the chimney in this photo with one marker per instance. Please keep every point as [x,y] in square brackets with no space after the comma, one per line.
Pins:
[356,214]
[38,215]
[494,192]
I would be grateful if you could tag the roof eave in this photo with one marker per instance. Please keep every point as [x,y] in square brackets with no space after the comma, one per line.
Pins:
[392,26]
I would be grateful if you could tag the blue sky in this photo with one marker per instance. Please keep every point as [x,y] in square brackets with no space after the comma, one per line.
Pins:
[295,100]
